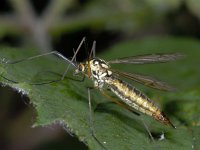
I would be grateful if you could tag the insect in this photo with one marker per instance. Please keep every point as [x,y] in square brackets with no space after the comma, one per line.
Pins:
[103,76]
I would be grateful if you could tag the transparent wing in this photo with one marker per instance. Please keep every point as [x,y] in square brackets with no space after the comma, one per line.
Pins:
[146,80]
[148,59]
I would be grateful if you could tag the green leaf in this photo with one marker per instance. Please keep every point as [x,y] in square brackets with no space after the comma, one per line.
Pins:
[66,102]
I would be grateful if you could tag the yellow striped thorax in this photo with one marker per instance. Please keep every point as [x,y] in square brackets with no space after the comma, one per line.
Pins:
[96,69]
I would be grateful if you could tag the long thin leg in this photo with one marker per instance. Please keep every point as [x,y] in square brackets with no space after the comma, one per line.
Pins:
[92,53]
[71,62]
[91,120]
[149,132]
[47,82]
[157,147]
[50,53]
[53,81]
[41,55]
[74,57]
[90,111]
[37,56]
[74,54]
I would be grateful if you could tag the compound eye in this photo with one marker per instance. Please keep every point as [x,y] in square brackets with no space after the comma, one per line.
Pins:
[81,67]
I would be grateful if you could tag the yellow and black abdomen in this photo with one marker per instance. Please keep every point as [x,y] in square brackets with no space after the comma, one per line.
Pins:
[136,99]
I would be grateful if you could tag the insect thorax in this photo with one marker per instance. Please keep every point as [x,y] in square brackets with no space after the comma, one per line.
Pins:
[100,71]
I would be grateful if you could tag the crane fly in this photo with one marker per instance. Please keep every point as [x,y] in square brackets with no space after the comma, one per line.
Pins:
[101,73]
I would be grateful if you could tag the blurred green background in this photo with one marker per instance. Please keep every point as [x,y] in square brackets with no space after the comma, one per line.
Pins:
[59,25]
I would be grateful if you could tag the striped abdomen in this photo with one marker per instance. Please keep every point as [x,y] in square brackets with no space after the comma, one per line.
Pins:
[136,99]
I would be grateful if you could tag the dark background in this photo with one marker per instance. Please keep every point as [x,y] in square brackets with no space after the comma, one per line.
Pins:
[57,25]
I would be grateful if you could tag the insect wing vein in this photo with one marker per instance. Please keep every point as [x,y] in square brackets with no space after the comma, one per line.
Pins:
[146,80]
[148,59]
